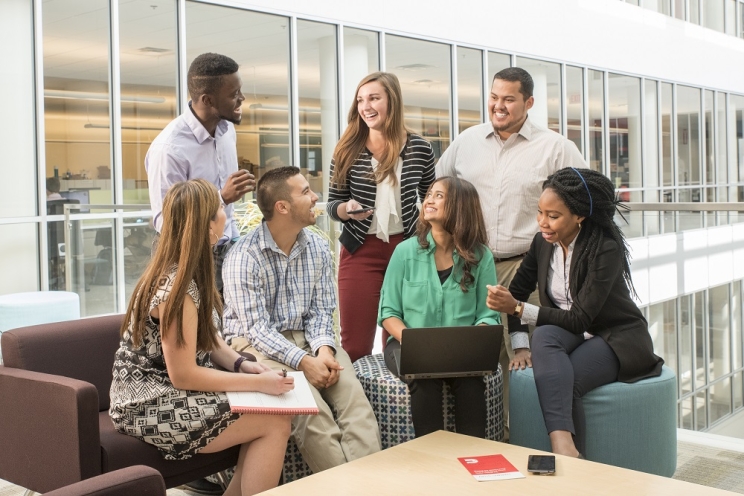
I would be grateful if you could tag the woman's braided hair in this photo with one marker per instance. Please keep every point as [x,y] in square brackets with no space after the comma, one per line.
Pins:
[590,194]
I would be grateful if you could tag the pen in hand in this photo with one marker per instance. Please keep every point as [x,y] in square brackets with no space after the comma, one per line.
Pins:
[284,372]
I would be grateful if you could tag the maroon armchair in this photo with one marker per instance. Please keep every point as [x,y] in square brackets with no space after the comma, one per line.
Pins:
[139,480]
[54,400]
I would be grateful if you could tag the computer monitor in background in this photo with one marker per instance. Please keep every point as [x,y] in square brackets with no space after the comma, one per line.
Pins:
[81,195]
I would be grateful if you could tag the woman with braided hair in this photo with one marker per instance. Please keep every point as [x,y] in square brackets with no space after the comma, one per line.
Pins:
[589,331]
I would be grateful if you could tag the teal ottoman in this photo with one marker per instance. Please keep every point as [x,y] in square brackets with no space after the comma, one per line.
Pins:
[627,425]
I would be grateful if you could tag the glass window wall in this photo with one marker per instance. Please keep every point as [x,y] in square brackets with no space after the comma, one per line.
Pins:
[575,106]
[76,98]
[260,44]
[625,135]
[713,14]
[546,111]
[316,72]
[469,87]
[688,142]
[595,95]
[666,140]
[496,62]
[149,76]
[361,57]
[423,68]
[651,141]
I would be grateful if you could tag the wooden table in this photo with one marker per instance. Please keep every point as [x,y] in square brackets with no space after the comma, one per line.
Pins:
[429,466]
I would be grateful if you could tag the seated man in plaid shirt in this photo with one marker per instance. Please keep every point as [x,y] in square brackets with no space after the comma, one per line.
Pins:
[279,302]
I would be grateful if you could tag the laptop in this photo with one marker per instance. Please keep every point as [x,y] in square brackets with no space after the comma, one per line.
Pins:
[440,352]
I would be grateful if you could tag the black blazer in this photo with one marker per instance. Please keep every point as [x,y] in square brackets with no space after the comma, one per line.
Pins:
[601,305]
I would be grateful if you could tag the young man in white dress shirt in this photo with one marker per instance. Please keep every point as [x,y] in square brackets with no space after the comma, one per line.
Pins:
[201,144]
[507,159]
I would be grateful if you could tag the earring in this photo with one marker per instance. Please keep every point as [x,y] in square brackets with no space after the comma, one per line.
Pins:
[216,238]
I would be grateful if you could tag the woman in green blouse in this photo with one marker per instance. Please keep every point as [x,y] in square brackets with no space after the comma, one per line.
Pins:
[439,279]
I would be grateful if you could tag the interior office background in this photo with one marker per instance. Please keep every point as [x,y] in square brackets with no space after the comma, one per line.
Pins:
[652,94]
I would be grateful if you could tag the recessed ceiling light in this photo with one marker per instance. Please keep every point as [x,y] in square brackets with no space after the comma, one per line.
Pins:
[154,50]
[415,67]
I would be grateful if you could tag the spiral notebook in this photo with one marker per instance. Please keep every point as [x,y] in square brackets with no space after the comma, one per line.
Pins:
[298,401]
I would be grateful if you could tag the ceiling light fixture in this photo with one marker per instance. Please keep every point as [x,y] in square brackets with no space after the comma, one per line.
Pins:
[104,97]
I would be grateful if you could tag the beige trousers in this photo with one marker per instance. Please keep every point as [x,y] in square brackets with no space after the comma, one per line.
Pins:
[505,272]
[324,442]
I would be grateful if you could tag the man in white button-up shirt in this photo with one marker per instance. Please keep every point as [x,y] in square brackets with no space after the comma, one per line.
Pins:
[201,144]
[507,159]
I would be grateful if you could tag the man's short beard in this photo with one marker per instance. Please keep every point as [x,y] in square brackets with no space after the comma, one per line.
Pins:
[232,119]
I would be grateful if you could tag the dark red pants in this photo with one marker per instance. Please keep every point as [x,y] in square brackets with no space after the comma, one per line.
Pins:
[359,281]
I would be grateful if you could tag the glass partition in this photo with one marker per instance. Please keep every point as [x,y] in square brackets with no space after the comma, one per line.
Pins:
[423,68]
[469,87]
[496,62]
[575,106]
[688,143]
[666,141]
[148,61]
[361,57]
[546,111]
[76,98]
[624,115]
[260,44]
[595,94]
[651,141]
[316,74]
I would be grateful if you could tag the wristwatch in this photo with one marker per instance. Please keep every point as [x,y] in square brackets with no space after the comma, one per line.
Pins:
[518,309]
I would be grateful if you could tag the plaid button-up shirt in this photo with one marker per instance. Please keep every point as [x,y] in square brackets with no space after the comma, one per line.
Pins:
[267,292]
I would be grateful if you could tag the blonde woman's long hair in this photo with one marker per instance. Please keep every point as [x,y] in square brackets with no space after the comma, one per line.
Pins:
[354,139]
[188,208]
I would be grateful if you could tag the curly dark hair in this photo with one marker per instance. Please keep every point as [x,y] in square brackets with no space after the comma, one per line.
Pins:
[463,219]
[590,194]
[206,71]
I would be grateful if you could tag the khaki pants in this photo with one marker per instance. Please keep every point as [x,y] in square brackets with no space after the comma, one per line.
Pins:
[324,442]
[505,272]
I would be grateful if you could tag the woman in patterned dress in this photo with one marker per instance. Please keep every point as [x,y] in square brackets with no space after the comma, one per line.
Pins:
[174,319]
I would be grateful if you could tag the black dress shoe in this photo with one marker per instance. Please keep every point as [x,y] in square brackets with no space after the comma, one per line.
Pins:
[203,486]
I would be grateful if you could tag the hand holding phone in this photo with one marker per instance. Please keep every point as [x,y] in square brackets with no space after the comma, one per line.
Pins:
[541,464]
[361,210]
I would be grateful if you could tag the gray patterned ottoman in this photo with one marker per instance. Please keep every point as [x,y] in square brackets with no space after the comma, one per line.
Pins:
[390,401]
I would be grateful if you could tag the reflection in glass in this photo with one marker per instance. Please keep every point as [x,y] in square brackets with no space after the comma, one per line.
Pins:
[662,6]
[720,399]
[735,139]
[666,137]
[694,12]
[575,105]
[423,68]
[546,111]
[76,96]
[679,9]
[736,325]
[316,74]
[685,420]
[708,133]
[737,385]
[688,142]
[662,325]
[595,93]
[260,44]
[361,57]
[721,150]
[148,60]
[17,134]
[701,410]
[19,260]
[713,13]
[719,337]
[625,135]
[651,142]
[701,376]
[469,88]
[686,379]
[496,62]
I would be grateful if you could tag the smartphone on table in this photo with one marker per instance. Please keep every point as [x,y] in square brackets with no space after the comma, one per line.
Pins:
[541,464]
